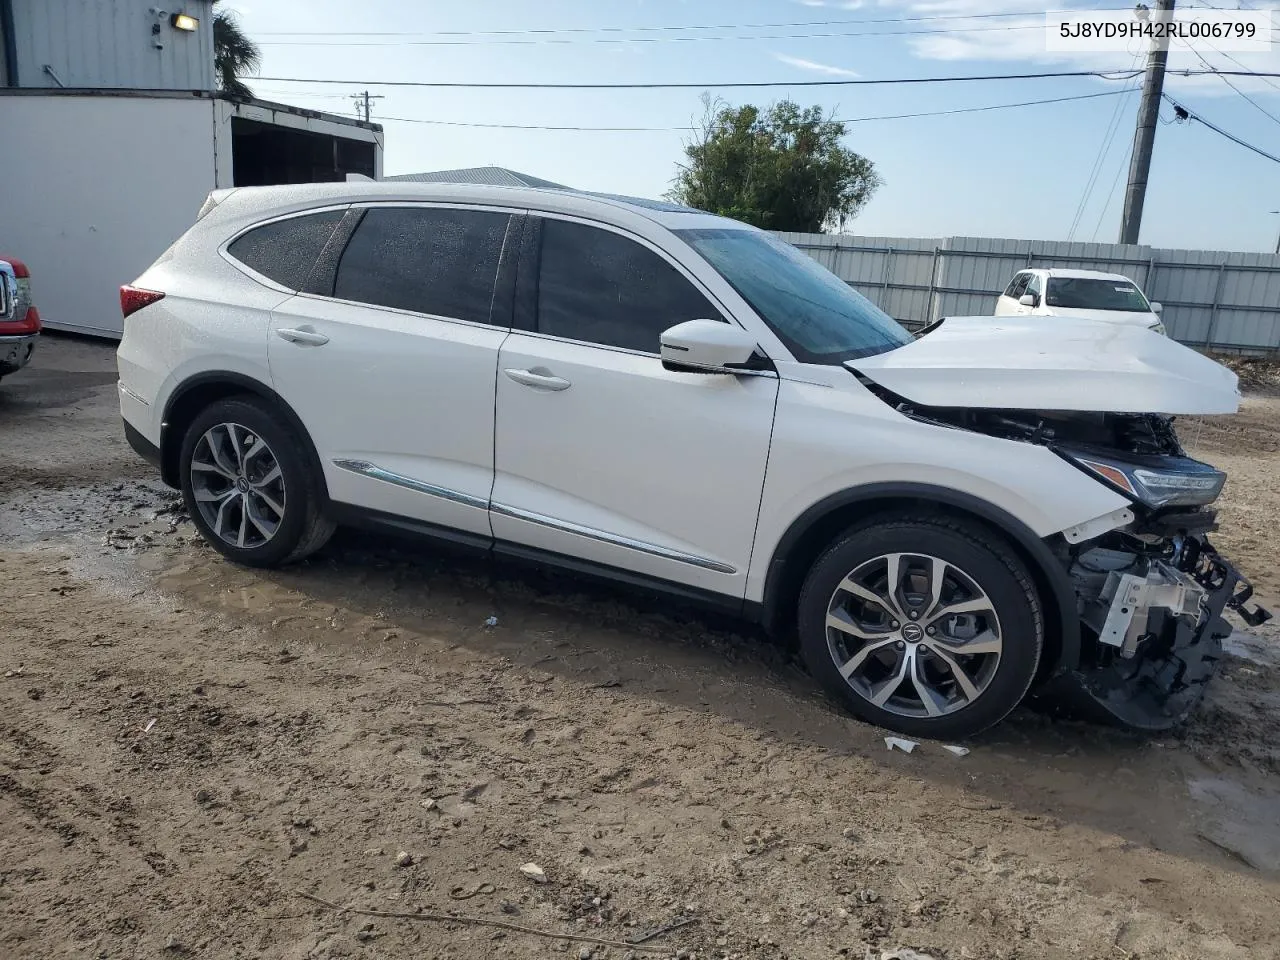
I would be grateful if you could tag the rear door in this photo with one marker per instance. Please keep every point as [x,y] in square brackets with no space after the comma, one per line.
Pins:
[390,360]
[601,453]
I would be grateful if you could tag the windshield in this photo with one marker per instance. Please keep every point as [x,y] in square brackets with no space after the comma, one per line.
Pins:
[817,315]
[1087,293]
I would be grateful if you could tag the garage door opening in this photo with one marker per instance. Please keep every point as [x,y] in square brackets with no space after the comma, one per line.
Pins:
[264,154]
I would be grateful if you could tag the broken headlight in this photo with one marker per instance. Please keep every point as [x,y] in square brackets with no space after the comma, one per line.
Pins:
[1155,481]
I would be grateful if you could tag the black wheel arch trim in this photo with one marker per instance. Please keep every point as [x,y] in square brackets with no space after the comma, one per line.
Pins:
[1047,570]
[240,383]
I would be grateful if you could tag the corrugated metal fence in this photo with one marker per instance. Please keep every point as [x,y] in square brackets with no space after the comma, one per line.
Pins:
[1212,299]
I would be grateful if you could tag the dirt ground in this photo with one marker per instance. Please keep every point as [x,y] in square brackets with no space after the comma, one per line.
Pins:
[186,748]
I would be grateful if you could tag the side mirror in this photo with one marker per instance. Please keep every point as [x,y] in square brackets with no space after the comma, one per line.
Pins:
[1157,308]
[707,346]
[1029,300]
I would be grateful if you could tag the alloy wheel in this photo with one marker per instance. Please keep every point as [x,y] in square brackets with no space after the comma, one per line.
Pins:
[238,485]
[914,635]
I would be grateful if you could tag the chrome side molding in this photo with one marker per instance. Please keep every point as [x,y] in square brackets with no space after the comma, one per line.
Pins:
[364,468]
[591,533]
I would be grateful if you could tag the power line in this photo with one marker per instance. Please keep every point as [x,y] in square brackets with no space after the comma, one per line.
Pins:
[1259,107]
[1254,102]
[890,116]
[649,29]
[1108,137]
[1119,74]
[1182,113]
[1123,74]
[1268,82]
[847,34]
[1245,6]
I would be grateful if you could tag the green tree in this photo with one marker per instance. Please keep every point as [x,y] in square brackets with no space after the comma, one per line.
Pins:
[780,169]
[234,54]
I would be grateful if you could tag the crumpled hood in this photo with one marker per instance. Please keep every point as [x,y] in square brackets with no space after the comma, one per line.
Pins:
[1026,363]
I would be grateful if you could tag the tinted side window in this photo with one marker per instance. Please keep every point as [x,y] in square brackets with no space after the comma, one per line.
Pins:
[603,288]
[1033,285]
[285,251]
[441,262]
[1018,287]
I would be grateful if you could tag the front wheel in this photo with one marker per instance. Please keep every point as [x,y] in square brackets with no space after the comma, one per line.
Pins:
[249,487]
[926,626]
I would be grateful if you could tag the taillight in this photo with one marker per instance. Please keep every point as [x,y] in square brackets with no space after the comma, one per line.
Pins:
[133,299]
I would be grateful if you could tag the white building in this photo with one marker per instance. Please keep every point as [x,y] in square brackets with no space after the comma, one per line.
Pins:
[114,134]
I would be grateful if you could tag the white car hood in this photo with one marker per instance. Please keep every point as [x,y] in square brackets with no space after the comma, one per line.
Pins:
[1135,318]
[1023,363]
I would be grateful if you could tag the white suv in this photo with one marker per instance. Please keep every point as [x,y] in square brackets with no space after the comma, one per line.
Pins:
[684,402]
[1087,294]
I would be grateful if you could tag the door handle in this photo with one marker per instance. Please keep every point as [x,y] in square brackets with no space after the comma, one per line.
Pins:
[539,378]
[302,335]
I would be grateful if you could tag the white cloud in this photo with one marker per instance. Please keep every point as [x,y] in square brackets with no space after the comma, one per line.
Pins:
[974,37]
[825,69]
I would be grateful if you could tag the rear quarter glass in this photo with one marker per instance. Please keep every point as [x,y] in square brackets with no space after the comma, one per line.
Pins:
[286,250]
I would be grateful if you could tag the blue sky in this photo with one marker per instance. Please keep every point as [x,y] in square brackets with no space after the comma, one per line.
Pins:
[1011,173]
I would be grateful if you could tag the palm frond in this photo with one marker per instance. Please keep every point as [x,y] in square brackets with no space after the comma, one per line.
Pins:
[234,54]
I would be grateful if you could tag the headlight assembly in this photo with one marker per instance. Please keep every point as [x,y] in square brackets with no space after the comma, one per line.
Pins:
[1155,481]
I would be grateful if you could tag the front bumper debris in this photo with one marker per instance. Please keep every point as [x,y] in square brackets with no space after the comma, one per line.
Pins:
[1130,599]
[1159,641]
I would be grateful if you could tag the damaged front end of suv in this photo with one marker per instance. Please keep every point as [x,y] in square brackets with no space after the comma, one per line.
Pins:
[1151,590]
[1151,593]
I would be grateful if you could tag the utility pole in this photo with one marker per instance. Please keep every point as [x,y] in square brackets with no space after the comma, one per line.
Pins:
[1144,137]
[364,105]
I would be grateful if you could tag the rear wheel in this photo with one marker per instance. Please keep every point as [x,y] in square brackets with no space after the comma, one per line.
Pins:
[925,626]
[249,487]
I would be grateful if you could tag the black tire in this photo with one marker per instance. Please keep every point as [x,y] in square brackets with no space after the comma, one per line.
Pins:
[303,528]
[972,553]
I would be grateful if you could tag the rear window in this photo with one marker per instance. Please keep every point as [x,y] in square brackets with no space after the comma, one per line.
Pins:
[442,262]
[286,250]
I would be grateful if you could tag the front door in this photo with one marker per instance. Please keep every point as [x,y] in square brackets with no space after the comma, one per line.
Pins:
[393,376]
[600,452]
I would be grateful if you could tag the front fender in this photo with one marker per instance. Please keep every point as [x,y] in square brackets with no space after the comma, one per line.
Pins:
[835,445]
